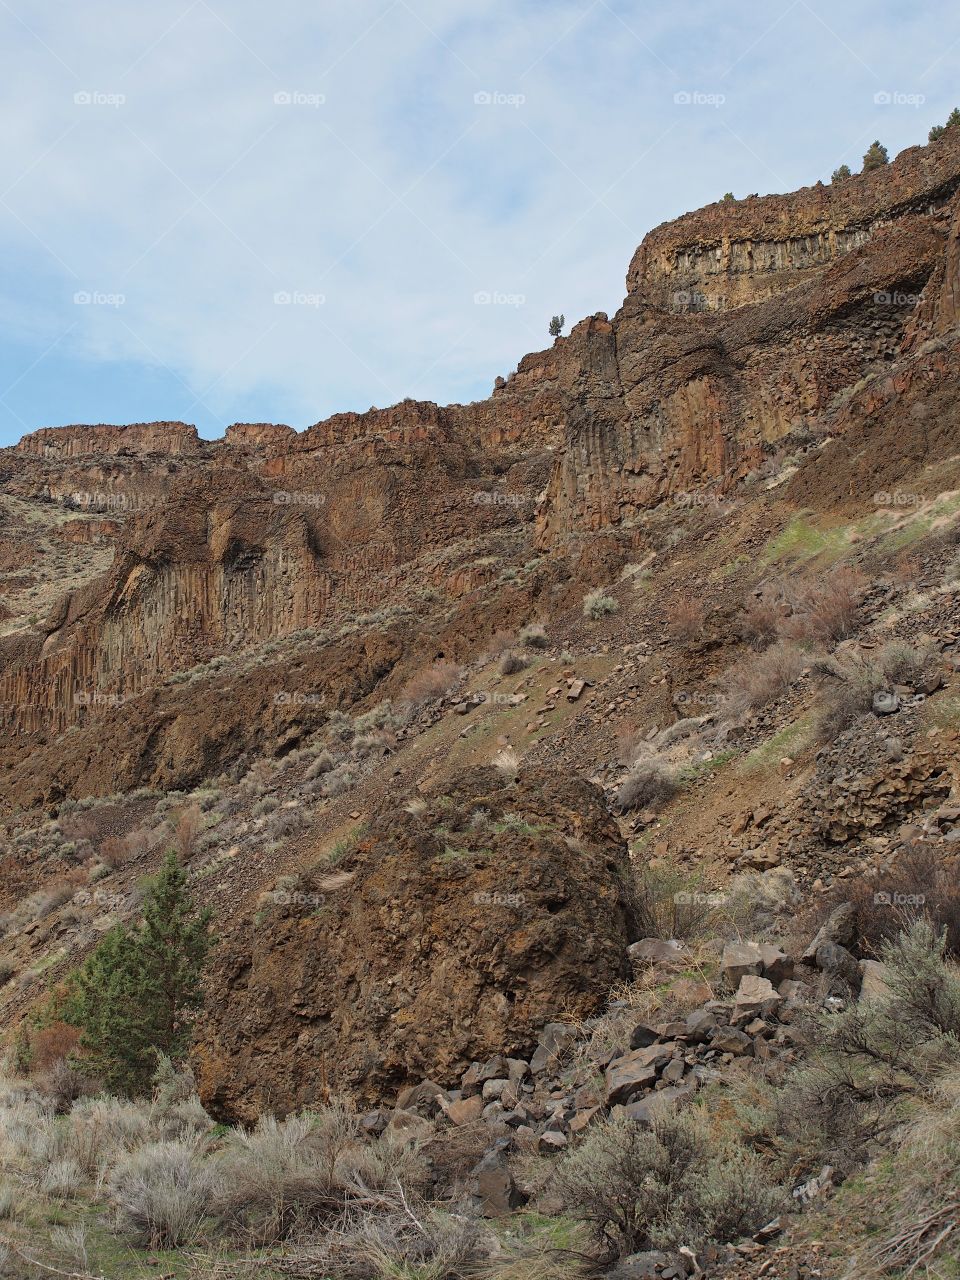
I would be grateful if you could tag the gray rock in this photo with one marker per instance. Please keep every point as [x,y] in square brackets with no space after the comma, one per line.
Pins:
[837,961]
[739,960]
[629,1075]
[839,927]
[729,1040]
[554,1039]
[491,1182]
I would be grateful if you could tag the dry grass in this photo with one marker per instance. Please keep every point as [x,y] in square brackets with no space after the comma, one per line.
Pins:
[757,681]
[686,619]
[429,684]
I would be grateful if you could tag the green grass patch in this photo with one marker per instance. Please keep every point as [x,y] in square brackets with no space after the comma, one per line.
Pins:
[790,741]
[801,540]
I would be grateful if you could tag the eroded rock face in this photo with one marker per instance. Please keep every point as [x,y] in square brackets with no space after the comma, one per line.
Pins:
[829,313]
[445,937]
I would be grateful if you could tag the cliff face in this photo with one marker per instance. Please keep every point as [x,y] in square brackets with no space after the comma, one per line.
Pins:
[745,324]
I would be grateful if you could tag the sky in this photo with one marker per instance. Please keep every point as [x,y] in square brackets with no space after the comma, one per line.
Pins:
[220,210]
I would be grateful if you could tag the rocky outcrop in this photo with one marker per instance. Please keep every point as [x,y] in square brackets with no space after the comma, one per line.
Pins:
[141,438]
[442,937]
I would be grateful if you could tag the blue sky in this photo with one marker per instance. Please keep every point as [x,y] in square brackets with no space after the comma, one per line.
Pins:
[223,212]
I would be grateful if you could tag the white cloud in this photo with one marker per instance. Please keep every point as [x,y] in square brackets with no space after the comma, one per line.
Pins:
[398,198]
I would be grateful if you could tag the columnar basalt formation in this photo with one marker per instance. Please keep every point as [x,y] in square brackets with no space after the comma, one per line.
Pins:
[745,324]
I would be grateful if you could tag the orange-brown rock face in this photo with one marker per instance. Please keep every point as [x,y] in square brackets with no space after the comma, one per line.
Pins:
[745,324]
[751,320]
[432,944]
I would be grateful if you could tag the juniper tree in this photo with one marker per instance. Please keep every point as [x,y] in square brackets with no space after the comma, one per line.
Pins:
[134,996]
[876,157]
[841,174]
[556,326]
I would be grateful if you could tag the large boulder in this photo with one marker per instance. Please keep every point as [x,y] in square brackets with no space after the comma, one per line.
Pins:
[445,937]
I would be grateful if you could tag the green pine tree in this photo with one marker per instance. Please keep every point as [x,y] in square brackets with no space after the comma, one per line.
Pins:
[556,326]
[134,996]
[953,118]
[841,174]
[876,157]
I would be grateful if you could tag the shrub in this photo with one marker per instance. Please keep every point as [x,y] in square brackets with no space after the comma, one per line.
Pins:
[397,1242]
[113,852]
[875,1053]
[902,664]
[671,903]
[759,680]
[598,603]
[686,619]
[827,609]
[430,683]
[846,700]
[841,174]
[162,1193]
[511,663]
[649,783]
[658,1189]
[921,1230]
[284,1174]
[762,617]
[534,636]
[322,764]
[918,873]
[62,1179]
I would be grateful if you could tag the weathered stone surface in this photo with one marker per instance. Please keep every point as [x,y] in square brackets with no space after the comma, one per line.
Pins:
[431,997]
[740,959]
